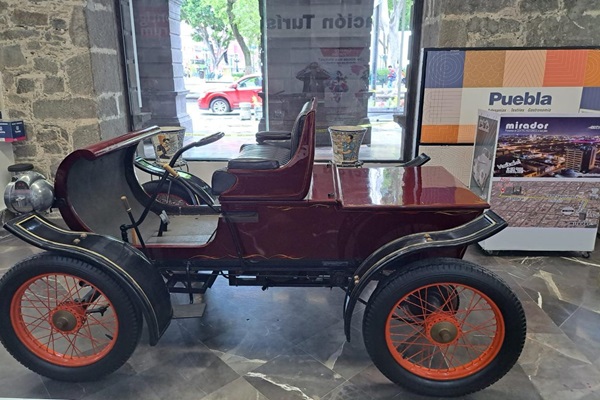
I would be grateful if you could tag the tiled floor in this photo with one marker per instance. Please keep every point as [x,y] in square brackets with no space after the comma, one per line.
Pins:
[289,344]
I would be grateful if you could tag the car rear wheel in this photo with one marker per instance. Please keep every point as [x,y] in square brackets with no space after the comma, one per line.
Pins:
[444,327]
[220,106]
[66,319]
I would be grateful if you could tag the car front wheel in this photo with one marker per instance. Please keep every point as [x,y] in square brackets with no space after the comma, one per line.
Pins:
[220,106]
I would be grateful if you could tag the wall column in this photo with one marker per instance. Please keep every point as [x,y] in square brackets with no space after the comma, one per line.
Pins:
[157,25]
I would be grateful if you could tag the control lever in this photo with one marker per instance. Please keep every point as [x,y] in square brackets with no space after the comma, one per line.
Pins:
[133,224]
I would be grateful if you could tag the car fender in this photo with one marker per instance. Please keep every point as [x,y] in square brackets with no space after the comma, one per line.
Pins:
[391,255]
[215,95]
[130,267]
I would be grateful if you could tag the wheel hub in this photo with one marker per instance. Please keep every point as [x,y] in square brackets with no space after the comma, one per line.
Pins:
[443,332]
[67,318]
[64,321]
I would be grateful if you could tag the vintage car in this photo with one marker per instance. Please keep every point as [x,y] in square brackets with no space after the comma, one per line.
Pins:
[434,323]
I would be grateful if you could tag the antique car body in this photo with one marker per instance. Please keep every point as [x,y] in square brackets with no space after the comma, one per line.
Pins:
[300,223]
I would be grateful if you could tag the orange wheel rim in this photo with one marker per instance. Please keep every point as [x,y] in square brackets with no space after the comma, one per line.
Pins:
[64,320]
[444,331]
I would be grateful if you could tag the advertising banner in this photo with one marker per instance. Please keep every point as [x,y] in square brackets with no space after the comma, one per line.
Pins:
[544,179]
[459,82]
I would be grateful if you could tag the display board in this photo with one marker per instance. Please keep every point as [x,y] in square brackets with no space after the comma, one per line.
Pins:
[458,82]
[542,175]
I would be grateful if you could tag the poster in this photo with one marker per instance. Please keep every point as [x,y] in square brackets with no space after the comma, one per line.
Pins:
[457,82]
[545,180]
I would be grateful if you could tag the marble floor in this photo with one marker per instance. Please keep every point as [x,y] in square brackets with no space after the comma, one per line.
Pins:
[288,343]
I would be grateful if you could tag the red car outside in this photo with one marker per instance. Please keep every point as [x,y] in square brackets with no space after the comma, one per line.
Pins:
[224,100]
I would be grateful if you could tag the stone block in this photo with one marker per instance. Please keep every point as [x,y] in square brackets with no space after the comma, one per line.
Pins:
[78,28]
[52,148]
[85,135]
[22,150]
[26,18]
[18,114]
[113,127]
[49,133]
[102,29]
[562,31]
[75,108]
[53,84]
[11,56]
[576,8]
[79,72]
[17,33]
[470,7]
[33,45]
[453,33]
[45,65]
[106,69]
[107,107]
[54,40]
[55,163]
[488,26]
[59,24]
[497,42]
[541,6]
[25,85]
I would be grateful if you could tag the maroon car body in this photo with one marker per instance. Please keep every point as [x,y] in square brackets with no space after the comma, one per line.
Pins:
[298,223]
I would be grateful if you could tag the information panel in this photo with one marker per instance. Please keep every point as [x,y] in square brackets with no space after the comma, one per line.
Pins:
[456,83]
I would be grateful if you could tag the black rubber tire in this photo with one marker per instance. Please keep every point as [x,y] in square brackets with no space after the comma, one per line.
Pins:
[176,195]
[220,105]
[443,271]
[128,316]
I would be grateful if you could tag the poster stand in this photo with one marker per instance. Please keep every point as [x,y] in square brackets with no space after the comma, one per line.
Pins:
[541,174]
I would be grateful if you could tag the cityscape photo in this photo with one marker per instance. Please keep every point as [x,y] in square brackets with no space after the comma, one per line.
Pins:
[549,147]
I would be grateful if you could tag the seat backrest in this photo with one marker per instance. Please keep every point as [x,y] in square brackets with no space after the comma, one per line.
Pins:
[298,127]
[290,181]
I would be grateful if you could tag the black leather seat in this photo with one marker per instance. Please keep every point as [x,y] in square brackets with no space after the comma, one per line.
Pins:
[273,150]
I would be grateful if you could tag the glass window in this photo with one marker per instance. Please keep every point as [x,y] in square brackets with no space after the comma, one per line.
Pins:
[340,52]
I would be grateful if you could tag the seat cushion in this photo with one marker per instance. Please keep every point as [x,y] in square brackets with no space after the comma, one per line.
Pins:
[260,156]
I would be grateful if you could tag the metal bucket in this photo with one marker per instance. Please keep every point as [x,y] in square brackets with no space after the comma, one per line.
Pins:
[345,142]
[167,142]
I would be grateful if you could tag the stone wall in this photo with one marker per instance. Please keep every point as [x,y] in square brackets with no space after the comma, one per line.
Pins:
[60,73]
[511,23]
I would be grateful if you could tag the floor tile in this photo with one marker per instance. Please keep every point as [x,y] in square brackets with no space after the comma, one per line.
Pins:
[294,375]
[331,348]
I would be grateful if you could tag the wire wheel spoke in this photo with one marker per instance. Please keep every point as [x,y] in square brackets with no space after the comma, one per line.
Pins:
[50,319]
[460,331]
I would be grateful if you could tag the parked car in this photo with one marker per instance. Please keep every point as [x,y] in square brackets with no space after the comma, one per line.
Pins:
[223,100]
